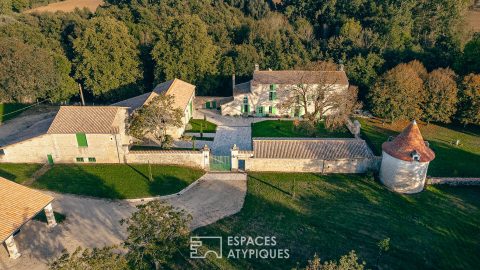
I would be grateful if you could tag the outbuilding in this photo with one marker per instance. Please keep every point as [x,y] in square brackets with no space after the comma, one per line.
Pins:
[405,161]
[18,205]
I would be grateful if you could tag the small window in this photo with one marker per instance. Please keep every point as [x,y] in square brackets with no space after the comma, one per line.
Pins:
[80,159]
[92,159]
[270,109]
[245,100]
[81,140]
[2,152]
[272,95]
[273,87]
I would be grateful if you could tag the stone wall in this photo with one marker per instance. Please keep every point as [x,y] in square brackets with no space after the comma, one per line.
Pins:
[168,157]
[312,165]
[454,181]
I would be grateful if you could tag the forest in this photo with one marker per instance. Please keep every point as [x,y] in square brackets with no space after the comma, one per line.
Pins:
[408,58]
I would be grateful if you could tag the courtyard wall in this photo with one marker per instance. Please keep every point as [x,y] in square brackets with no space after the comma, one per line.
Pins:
[167,157]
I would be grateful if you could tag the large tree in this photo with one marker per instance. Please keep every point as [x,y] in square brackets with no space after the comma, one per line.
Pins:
[154,119]
[185,50]
[155,233]
[470,100]
[106,58]
[322,100]
[469,62]
[441,96]
[28,73]
[398,94]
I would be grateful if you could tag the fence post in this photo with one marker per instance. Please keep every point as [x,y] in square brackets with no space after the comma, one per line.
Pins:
[206,157]
[234,158]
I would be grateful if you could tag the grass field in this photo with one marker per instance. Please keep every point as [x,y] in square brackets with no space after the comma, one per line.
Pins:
[10,110]
[208,127]
[285,128]
[117,181]
[18,173]
[68,6]
[331,215]
[451,160]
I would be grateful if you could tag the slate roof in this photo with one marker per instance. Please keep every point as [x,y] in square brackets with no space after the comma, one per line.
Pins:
[310,148]
[408,142]
[182,91]
[299,76]
[241,88]
[18,204]
[85,119]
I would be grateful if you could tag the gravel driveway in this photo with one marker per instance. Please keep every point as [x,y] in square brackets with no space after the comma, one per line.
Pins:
[95,222]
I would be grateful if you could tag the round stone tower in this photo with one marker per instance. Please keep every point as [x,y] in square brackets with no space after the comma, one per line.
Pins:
[405,161]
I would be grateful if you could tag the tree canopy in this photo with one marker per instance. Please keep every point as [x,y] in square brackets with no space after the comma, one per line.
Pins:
[106,58]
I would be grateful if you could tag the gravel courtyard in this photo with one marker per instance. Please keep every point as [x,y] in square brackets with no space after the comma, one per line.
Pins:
[95,222]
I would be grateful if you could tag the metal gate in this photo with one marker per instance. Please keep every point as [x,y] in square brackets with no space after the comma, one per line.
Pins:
[220,163]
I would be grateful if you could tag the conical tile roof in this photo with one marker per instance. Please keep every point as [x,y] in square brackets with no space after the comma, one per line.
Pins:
[409,143]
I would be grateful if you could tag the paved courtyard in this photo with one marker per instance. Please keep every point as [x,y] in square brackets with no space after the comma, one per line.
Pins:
[95,222]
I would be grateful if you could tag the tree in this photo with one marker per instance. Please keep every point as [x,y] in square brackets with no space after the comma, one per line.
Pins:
[155,233]
[245,58]
[185,50]
[28,73]
[90,259]
[441,96]
[5,6]
[322,98]
[154,119]
[347,262]
[398,94]
[470,100]
[470,60]
[106,58]
[383,246]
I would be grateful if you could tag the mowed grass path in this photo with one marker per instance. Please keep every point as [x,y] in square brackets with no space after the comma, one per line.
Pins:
[117,181]
[438,228]
[285,128]
[451,160]
[18,173]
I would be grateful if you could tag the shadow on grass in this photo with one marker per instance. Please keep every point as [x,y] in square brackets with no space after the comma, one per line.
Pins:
[436,229]
[73,179]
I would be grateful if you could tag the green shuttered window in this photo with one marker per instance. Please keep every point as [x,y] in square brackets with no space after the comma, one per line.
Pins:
[82,140]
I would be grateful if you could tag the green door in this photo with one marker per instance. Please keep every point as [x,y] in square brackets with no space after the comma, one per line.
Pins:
[214,104]
[50,159]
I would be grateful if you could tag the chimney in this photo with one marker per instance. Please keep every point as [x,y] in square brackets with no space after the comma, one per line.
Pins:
[233,83]
[257,67]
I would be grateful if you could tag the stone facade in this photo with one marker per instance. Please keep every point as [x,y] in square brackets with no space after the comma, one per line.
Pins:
[403,176]
[63,148]
[177,132]
[259,101]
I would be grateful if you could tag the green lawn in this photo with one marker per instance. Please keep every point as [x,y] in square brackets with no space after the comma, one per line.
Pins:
[117,181]
[285,128]
[18,173]
[451,160]
[11,109]
[331,215]
[208,127]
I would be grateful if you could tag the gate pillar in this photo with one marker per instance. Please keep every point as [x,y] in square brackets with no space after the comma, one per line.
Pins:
[206,157]
[234,157]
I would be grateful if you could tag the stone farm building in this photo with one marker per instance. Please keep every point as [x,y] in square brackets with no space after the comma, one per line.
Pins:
[183,94]
[262,95]
[76,134]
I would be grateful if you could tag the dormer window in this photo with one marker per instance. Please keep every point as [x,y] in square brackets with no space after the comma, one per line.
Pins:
[415,155]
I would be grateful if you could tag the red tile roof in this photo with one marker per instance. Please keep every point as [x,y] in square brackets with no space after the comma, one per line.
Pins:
[407,143]
[18,204]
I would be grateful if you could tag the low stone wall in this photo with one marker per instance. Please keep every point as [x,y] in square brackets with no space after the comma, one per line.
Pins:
[167,157]
[312,165]
[454,181]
